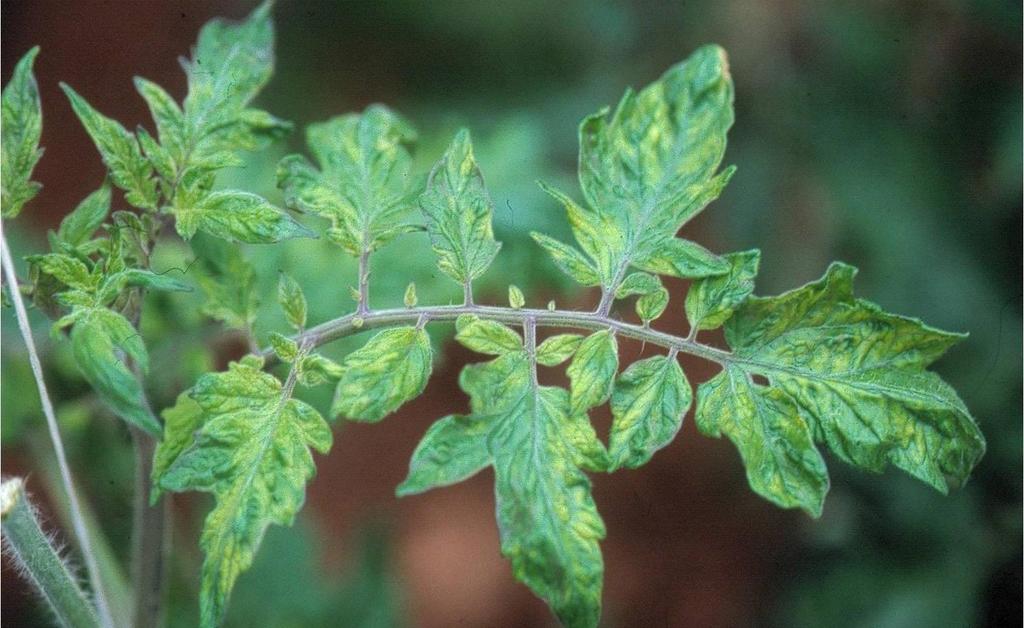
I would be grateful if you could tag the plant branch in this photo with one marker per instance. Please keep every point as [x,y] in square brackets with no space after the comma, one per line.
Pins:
[78,521]
[40,562]
[346,326]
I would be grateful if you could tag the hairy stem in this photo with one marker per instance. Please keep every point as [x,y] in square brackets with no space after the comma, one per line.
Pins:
[605,306]
[149,536]
[78,522]
[345,326]
[37,558]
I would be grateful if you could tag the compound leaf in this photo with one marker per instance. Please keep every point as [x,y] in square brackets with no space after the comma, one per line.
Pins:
[392,368]
[651,398]
[858,376]
[459,211]
[775,442]
[252,452]
[22,126]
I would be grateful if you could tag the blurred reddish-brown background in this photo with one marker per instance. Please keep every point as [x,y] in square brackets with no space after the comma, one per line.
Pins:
[688,543]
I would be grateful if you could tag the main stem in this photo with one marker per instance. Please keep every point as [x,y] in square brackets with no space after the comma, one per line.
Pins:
[149,536]
[77,520]
[355,323]
[149,521]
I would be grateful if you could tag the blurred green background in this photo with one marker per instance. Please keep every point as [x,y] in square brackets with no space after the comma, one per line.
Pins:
[885,133]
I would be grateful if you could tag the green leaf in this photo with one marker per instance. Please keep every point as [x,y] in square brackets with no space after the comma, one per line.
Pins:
[101,341]
[486,336]
[21,127]
[170,121]
[459,212]
[230,64]
[602,241]
[452,450]
[558,349]
[180,423]
[775,442]
[159,156]
[363,185]
[515,297]
[858,376]
[69,270]
[496,384]
[637,283]
[410,299]
[592,371]
[129,169]
[547,520]
[649,166]
[392,368]
[252,453]
[149,280]
[314,369]
[569,260]
[77,227]
[227,280]
[238,216]
[651,398]
[711,301]
[650,306]
[293,302]
[681,258]
[285,348]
